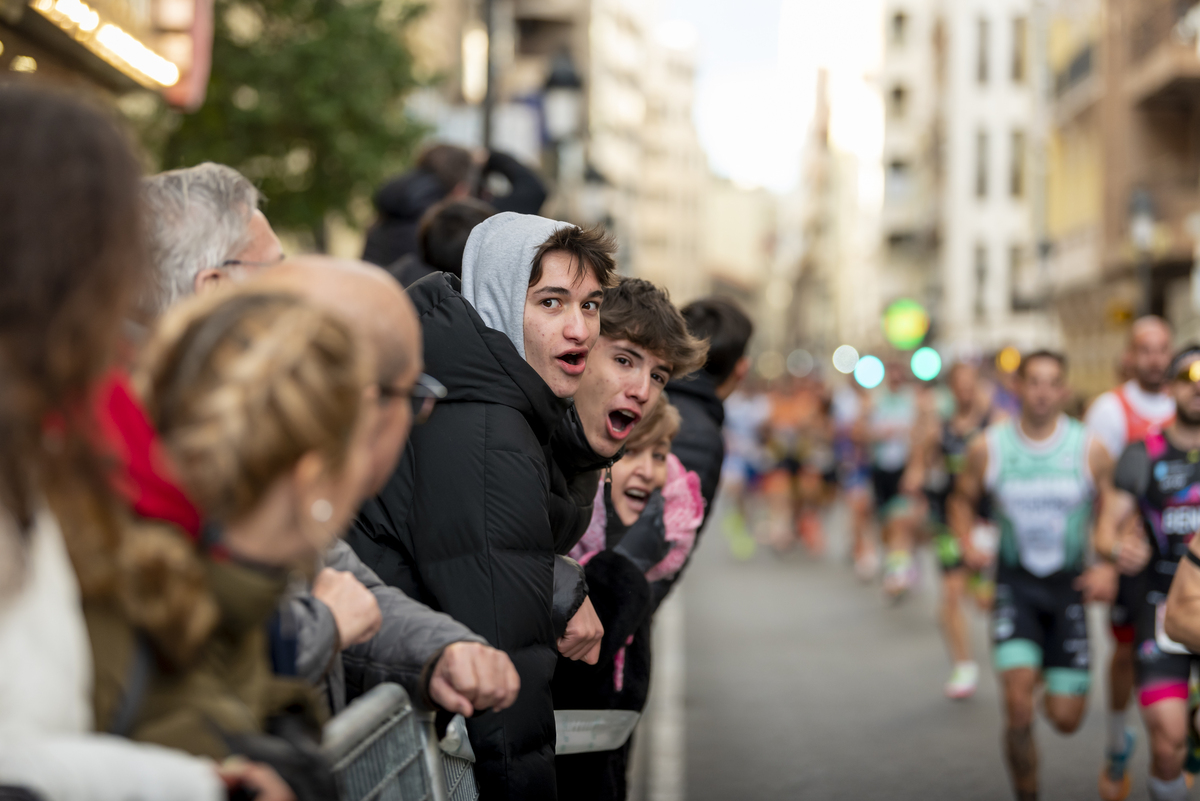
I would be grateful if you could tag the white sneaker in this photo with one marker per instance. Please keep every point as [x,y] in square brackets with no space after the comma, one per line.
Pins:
[963,681]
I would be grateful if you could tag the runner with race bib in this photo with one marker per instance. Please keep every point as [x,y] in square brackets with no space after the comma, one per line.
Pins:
[1160,478]
[1124,415]
[1042,472]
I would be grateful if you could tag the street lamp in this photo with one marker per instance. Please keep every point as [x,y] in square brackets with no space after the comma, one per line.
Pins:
[563,99]
[1141,233]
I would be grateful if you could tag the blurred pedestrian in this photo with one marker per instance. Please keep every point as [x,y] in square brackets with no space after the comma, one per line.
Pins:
[893,415]
[444,171]
[74,266]
[1118,418]
[441,240]
[464,521]
[699,396]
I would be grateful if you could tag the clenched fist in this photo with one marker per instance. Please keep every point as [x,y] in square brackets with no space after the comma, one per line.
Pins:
[470,676]
[583,635]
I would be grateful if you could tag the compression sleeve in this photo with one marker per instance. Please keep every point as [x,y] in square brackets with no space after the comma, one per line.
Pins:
[1133,470]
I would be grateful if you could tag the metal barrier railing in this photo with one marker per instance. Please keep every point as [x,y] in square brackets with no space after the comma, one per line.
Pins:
[382,749]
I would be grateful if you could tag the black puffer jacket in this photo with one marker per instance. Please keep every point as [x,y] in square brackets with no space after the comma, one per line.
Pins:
[400,203]
[574,475]
[463,525]
[700,445]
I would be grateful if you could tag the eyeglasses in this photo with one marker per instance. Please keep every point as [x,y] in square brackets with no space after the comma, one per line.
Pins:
[424,395]
[243,263]
[1189,374]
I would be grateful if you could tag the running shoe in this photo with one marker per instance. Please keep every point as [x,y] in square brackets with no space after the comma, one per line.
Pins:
[1115,781]
[741,544]
[899,574]
[963,681]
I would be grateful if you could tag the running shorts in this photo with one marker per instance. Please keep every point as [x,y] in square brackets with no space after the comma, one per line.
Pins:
[886,484]
[1160,674]
[1041,623]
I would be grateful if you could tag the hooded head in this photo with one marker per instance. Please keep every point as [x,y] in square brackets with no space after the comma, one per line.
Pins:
[497,263]
[540,283]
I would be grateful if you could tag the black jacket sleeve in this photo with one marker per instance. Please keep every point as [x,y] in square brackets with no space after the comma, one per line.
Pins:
[528,192]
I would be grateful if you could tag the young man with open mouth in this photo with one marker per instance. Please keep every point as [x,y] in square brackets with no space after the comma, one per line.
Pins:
[464,523]
[643,341]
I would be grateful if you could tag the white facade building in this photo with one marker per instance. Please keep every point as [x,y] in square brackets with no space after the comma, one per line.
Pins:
[963,190]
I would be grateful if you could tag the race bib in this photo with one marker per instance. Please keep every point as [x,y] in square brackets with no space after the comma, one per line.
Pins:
[1041,546]
[1165,643]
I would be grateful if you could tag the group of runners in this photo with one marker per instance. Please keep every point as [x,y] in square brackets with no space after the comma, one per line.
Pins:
[1032,515]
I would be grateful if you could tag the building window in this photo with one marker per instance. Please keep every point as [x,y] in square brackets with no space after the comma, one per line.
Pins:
[982,56]
[898,181]
[981,274]
[981,164]
[898,102]
[1019,35]
[1017,279]
[899,28]
[1016,171]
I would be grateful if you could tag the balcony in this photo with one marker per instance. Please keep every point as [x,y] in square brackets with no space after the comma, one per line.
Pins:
[1163,61]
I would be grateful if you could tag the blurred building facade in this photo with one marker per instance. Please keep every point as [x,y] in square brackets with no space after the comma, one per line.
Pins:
[1123,172]
[822,273]
[598,94]
[963,191]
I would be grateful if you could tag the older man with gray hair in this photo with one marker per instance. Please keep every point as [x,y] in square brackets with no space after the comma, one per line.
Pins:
[205,228]
[198,244]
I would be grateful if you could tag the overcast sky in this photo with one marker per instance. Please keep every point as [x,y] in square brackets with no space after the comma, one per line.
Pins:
[757,75]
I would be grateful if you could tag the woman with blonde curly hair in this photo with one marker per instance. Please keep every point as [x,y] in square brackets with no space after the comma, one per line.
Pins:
[259,400]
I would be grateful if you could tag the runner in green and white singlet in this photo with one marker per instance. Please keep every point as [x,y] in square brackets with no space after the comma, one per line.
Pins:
[1043,497]
[1042,471]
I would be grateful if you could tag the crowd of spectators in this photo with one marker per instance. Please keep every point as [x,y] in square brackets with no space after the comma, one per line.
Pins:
[238,490]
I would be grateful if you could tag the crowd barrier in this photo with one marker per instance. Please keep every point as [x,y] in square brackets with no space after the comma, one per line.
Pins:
[382,749]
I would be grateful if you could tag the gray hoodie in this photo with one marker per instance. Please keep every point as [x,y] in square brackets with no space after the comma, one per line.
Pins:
[496,266]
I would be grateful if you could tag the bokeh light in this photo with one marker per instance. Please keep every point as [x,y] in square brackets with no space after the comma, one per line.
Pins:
[770,364]
[869,372]
[905,323]
[926,364]
[1008,360]
[844,359]
[800,363]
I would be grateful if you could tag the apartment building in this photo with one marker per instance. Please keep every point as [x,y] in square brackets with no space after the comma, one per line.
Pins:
[963,172]
[630,159]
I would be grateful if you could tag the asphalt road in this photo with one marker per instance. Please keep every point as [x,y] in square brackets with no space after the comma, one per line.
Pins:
[800,682]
